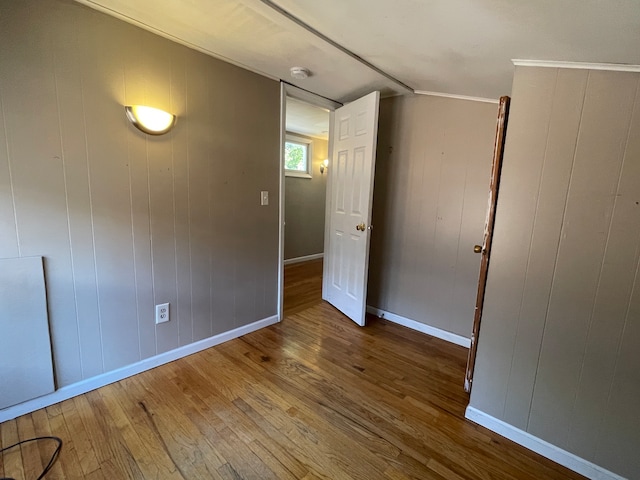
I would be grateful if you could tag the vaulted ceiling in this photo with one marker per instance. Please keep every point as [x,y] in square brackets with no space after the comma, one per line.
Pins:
[459,47]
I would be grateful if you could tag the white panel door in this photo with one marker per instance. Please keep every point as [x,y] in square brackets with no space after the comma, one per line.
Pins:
[354,134]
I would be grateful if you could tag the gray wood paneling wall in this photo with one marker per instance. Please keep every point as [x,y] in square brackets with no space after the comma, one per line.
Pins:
[429,206]
[125,220]
[304,206]
[558,346]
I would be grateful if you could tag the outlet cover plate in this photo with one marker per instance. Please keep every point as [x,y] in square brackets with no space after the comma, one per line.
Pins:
[162,313]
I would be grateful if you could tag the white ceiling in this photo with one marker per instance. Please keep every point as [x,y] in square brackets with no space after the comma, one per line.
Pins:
[307,119]
[460,47]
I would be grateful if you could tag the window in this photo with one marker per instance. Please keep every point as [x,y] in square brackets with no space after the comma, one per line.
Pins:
[297,157]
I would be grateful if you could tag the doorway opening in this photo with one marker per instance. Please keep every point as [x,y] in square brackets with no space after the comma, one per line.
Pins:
[305,170]
[351,151]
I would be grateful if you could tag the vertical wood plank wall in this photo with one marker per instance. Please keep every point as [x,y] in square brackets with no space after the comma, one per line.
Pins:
[560,331]
[431,188]
[304,207]
[125,220]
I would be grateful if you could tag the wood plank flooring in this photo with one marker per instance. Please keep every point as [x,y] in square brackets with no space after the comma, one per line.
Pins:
[303,286]
[313,397]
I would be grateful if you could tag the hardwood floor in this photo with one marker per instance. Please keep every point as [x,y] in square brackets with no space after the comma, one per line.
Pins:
[303,286]
[313,397]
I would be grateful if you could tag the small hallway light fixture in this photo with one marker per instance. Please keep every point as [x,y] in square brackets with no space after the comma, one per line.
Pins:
[150,120]
[324,165]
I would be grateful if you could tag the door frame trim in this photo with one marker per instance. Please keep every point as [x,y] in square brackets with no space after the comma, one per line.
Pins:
[494,188]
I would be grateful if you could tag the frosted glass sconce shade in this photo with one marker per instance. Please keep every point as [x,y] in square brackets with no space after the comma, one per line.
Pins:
[150,120]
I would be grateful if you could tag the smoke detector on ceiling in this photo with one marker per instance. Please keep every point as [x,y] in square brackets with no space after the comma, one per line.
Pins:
[300,73]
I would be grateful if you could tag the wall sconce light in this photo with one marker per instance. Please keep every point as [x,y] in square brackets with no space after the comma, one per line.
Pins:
[324,165]
[150,120]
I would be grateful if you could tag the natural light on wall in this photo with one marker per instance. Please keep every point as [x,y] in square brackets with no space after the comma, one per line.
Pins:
[150,120]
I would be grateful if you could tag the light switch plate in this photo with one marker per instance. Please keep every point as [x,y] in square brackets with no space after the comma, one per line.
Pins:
[264,197]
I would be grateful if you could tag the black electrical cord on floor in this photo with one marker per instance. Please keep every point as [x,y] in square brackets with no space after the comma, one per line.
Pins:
[51,461]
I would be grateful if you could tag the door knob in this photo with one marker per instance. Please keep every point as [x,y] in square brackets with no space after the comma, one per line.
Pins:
[361,227]
[477,248]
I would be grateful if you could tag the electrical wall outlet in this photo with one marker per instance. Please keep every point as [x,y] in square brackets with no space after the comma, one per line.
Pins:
[162,313]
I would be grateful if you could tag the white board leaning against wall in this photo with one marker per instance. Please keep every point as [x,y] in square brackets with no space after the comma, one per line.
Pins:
[26,367]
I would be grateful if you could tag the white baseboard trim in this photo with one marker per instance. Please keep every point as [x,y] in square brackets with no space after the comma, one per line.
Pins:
[421,327]
[546,449]
[101,380]
[306,258]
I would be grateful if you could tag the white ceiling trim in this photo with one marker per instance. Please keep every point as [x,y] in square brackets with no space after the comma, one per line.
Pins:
[615,67]
[168,36]
[457,97]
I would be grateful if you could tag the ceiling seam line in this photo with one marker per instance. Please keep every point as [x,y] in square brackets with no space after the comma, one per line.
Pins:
[335,44]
